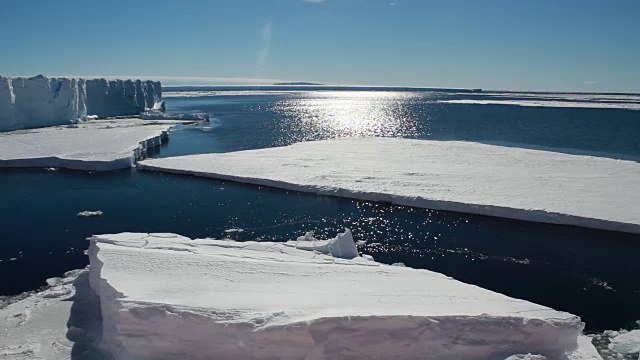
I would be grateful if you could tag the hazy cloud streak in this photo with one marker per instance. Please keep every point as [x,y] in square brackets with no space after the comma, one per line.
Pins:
[263,52]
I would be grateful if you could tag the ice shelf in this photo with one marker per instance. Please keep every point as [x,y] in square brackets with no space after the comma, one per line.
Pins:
[166,296]
[467,177]
[40,101]
[98,145]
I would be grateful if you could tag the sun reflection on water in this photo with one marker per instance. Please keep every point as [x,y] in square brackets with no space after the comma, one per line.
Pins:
[333,114]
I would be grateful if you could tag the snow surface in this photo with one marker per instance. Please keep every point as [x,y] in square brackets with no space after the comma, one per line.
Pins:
[457,176]
[64,321]
[551,103]
[53,323]
[96,145]
[166,296]
[40,101]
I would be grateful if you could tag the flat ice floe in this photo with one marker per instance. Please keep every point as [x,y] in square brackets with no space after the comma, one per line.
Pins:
[550,103]
[52,323]
[509,182]
[95,145]
[166,296]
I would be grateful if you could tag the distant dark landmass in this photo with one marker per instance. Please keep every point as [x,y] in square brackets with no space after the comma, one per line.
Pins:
[297,83]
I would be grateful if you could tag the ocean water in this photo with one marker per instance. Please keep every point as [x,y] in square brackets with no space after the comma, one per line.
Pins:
[594,274]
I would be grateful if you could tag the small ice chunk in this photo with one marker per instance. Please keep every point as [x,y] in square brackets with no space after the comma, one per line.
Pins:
[90,213]
[526,357]
[628,343]
[342,246]
[234,230]
[398,264]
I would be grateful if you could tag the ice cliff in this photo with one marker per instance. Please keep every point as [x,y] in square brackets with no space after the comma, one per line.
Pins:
[40,101]
[165,296]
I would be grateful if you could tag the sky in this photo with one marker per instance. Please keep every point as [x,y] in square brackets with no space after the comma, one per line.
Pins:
[544,45]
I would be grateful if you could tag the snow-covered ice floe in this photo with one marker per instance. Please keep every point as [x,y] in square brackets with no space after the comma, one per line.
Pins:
[96,145]
[65,317]
[40,101]
[509,182]
[166,296]
[550,103]
[53,322]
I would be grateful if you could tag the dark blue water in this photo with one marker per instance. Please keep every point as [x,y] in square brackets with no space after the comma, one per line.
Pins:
[594,274]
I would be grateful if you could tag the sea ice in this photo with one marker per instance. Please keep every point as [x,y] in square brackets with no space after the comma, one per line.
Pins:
[166,296]
[549,103]
[159,115]
[89,213]
[51,323]
[628,343]
[96,145]
[509,182]
[40,101]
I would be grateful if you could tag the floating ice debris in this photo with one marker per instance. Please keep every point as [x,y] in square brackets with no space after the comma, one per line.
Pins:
[159,115]
[234,230]
[342,246]
[89,213]
[628,343]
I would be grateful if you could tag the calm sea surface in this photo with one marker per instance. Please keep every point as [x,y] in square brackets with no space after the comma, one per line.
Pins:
[594,274]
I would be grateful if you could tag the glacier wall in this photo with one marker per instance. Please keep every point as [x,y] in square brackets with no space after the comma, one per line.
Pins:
[40,101]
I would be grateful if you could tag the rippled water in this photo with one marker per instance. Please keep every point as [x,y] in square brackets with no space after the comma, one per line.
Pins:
[278,119]
[594,274]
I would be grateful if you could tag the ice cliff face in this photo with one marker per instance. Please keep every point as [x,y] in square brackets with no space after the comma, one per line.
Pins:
[121,97]
[40,101]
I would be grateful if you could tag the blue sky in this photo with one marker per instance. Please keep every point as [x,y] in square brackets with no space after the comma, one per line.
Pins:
[569,45]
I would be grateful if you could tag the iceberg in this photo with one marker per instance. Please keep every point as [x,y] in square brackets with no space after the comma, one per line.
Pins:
[40,101]
[466,177]
[98,145]
[167,296]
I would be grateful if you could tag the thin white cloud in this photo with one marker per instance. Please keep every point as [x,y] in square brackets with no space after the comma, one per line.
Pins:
[263,52]
[589,82]
[314,1]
